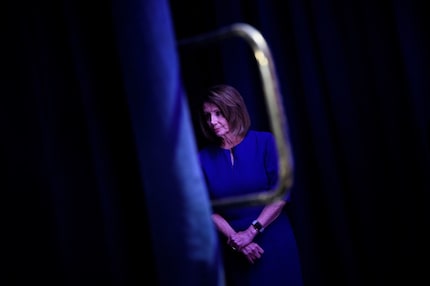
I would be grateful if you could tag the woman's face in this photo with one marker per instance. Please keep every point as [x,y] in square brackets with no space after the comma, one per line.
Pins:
[215,119]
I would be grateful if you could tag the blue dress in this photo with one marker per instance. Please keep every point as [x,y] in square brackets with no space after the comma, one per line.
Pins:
[255,169]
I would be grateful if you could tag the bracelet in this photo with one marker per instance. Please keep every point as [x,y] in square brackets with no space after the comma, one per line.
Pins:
[257,226]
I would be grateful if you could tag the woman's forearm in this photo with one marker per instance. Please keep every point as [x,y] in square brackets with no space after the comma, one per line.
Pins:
[270,213]
[222,225]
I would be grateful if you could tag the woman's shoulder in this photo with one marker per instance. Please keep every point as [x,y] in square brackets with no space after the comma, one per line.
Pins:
[261,138]
[260,135]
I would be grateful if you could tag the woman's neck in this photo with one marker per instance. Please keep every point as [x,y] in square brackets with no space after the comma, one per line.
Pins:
[230,141]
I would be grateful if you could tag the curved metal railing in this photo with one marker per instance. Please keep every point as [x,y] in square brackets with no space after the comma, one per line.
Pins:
[273,98]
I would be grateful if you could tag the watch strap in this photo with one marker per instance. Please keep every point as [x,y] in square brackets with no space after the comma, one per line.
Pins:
[257,226]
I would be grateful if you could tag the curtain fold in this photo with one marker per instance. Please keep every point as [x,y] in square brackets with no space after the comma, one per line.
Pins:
[184,239]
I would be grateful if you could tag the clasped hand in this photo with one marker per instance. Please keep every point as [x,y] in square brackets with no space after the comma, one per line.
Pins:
[242,242]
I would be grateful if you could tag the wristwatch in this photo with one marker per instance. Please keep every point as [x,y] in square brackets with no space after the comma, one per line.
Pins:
[257,226]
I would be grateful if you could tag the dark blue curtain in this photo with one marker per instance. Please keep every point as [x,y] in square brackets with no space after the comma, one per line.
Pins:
[100,181]
[355,83]
[100,184]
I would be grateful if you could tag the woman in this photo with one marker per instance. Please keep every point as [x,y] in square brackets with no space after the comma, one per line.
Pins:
[260,248]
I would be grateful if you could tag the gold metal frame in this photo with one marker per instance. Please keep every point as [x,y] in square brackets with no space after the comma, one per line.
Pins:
[277,118]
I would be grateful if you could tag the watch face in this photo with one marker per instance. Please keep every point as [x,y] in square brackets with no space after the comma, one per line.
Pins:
[257,225]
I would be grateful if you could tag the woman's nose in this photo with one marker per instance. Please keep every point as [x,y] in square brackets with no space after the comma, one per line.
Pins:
[213,119]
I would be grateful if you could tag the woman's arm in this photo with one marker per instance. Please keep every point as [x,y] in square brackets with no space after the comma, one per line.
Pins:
[270,213]
[267,216]
[252,250]
[222,225]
